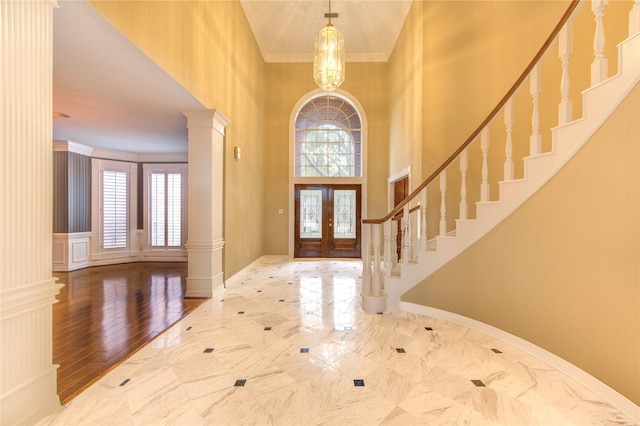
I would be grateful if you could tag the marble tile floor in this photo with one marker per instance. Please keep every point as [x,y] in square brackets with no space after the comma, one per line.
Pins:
[288,344]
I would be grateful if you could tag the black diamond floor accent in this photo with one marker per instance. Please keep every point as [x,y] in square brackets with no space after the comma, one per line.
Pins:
[401,350]
[358,382]
[267,329]
[379,313]
[290,283]
[222,300]
[281,300]
[309,312]
[478,383]
[189,328]
[208,350]
[125,382]
[498,351]
[304,350]
[240,382]
[259,291]
[240,312]
[428,328]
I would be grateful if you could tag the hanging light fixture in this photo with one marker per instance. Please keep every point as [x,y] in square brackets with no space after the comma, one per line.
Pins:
[328,56]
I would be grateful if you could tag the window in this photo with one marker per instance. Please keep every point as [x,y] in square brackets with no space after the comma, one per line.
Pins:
[328,139]
[114,209]
[166,209]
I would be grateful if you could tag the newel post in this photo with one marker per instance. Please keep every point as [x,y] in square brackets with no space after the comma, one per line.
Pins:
[373,295]
[205,239]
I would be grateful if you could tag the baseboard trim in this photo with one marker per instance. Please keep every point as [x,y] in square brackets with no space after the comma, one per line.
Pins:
[32,400]
[608,394]
[234,279]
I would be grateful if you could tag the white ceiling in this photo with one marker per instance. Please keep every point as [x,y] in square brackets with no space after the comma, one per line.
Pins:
[117,98]
[285,29]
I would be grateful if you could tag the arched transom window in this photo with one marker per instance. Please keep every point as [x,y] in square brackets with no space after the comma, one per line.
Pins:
[328,139]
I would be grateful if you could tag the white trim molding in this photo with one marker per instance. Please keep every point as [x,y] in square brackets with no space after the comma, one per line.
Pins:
[71,251]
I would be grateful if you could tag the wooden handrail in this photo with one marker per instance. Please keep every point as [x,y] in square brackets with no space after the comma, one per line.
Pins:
[490,117]
[401,212]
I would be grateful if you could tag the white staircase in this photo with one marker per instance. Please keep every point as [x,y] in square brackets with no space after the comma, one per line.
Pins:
[385,279]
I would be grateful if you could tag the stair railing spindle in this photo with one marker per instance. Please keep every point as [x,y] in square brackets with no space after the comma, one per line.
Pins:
[508,122]
[600,65]
[565,49]
[463,184]
[406,234]
[366,259]
[377,275]
[634,18]
[484,145]
[443,204]
[423,219]
[388,248]
[535,88]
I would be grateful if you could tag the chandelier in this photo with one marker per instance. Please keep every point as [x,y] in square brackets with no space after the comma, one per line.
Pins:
[328,56]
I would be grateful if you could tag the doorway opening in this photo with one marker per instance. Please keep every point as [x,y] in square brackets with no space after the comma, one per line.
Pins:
[400,192]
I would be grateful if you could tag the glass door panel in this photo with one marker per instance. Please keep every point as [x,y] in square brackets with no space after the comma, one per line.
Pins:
[344,213]
[310,213]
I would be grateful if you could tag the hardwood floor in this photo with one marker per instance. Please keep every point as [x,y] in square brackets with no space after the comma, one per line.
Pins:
[106,313]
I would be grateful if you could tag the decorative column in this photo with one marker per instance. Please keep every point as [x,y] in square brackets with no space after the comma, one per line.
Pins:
[27,288]
[205,202]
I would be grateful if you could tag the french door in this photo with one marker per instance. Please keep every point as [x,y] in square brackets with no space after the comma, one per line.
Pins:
[327,220]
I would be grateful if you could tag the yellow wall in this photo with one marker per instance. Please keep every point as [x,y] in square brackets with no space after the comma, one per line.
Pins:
[563,271]
[287,83]
[405,101]
[208,48]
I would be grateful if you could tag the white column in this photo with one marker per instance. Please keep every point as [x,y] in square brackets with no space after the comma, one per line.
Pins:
[205,239]
[27,288]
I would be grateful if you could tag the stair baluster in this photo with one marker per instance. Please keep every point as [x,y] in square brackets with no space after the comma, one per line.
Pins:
[443,204]
[423,219]
[406,234]
[389,248]
[565,49]
[600,65]
[377,274]
[634,18]
[508,122]
[484,145]
[463,185]
[535,87]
